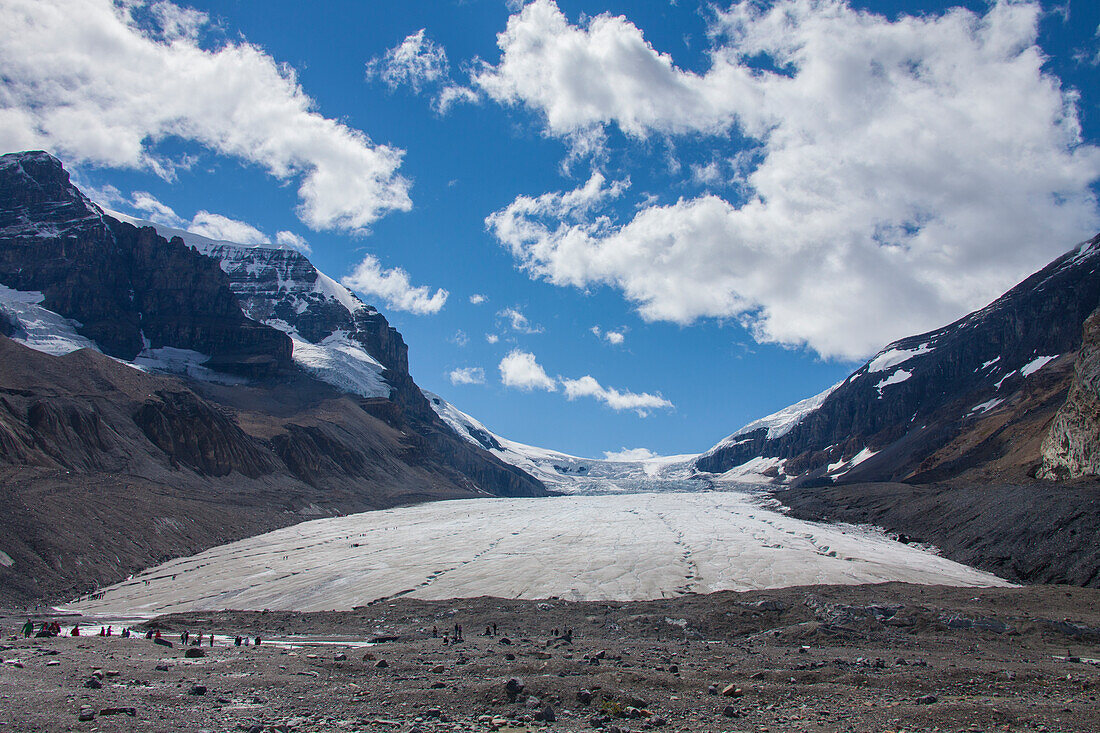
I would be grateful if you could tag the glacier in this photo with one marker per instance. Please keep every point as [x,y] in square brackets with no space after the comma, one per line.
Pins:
[614,547]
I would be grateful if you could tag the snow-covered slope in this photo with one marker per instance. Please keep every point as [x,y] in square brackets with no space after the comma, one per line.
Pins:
[32,325]
[278,286]
[571,474]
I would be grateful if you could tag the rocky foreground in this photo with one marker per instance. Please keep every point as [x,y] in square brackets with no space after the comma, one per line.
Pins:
[878,658]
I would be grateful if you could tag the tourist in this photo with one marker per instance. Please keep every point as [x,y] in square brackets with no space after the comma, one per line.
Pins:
[28,628]
[75,631]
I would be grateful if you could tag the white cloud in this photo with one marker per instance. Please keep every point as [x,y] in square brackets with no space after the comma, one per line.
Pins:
[614,338]
[630,454]
[904,172]
[518,321]
[492,338]
[419,62]
[460,338]
[587,386]
[290,239]
[394,288]
[416,61]
[205,223]
[467,375]
[478,298]
[520,370]
[216,226]
[106,82]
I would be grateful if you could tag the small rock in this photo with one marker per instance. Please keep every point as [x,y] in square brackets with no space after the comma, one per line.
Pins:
[674,668]
[341,657]
[161,667]
[438,686]
[111,673]
[546,715]
[927,699]
[533,703]
[513,686]
[197,690]
[658,721]
[92,683]
[584,697]
[510,657]
[439,669]
[712,690]
[368,657]
[86,714]
[52,663]
[732,691]
[382,664]
[132,712]
[505,640]
[731,711]
[192,653]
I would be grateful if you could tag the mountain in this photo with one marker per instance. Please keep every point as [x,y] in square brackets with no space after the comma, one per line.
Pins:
[159,396]
[573,475]
[972,399]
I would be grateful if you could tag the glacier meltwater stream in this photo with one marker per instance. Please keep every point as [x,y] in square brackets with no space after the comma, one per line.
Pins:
[621,547]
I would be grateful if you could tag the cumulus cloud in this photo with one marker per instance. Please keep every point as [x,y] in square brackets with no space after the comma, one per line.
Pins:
[419,62]
[394,288]
[630,454]
[416,61]
[460,338]
[467,375]
[518,321]
[216,226]
[492,338]
[106,82]
[899,173]
[478,299]
[587,386]
[520,370]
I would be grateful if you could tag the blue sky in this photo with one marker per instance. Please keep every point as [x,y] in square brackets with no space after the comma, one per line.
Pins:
[710,211]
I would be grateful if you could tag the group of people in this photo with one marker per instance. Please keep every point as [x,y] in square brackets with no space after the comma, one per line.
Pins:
[53,628]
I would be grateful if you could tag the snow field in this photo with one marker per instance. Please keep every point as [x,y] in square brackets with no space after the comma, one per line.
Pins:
[619,547]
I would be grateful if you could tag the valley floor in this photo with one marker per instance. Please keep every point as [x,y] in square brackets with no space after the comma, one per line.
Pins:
[889,657]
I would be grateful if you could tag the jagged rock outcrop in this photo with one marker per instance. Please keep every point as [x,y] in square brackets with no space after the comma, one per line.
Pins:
[1071,448]
[127,287]
[892,417]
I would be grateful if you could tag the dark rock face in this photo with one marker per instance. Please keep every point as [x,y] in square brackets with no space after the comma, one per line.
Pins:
[191,432]
[1071,448]
[120,282]
[922,392]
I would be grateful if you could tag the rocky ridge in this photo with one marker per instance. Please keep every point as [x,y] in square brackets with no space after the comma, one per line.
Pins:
[1071,448]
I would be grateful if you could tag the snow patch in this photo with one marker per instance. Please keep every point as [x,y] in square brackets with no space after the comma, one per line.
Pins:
[997,385]
[989,363]
[1036,364]
[5,559]
[893,357]
[896,378]
[985,406]
[184,362]
[852,462]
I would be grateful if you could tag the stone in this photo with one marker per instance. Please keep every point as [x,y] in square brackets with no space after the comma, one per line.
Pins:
[368,657]
[132,712]
[732,691]
[197,690]
[92,683]
[712,690]
[161,668]
[439,686]
[111,673]
[194,653]
[382,664]
[86,714]
[584,697]
[341,657]
[532,703]
[439,669]
[927,699]
[731,711]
